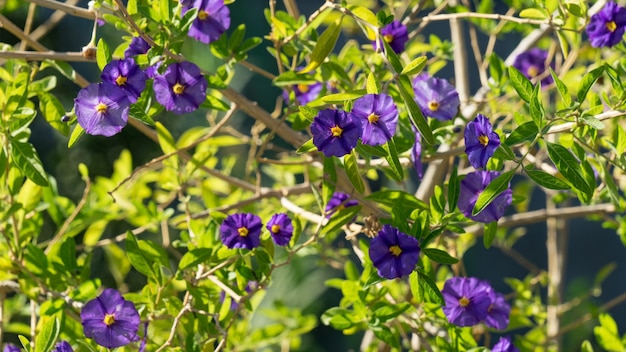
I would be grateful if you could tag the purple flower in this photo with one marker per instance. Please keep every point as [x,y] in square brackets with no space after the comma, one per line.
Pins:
[181,88]
[437,98]
[416,153]
[467,300]
[337,202]
[102,109]
[280,228]
[394,253]
[9,347]
[242,230]
[110,320]
[137,46]
[472,186]
[498,311]
[304,93]
[213,19]
[504,345]
[335,132]
[532,64]
[606,28]
[395,34]
[480,141]
[379,117]
[63,346]
[127,75]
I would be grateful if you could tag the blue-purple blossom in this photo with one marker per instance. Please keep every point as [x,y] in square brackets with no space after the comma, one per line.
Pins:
[481,141]
[181,88]
[63,346]
[110,320]
[472,186]
[127,75]
[242,230]
[280,228]
[137,46]
[335,132]
[394,253]
[212,21]
[436,98]
[504,345]
[9,347]
[379,117]
[416,153]
[498,311]
[532,64]
[337,202]
[466,300]
[102,109]
[606,28]
[395,34]
[304,93]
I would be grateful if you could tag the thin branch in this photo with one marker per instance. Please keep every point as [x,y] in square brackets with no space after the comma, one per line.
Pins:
[41,56]
[67,8]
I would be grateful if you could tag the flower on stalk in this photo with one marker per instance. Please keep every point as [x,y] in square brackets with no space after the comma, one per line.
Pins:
[472,186]
[379,117]
[416,153]
[395,34]
[127,75]
[532,64]
[337,202]
[242,230]
[504,345]
[498,311]
[304,93]
[480,141]
[63,346]
[281,228]
[181,88]
[436,98]
[467,300]
[102,109]
[212,21]
[606,28]
[110,320]
[335,132]
[137,46]
[9,347]
[394,253]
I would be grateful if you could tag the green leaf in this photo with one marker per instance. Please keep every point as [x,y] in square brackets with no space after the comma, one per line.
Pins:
[340,218]
[35,260]
[586,346]
[291,78]
[63,67]
[546,180]
[525,132]
[308,146]
[166,141]
[414,112]
[533,13]
[367,16]
[414,67]
[48,334]
[137,112]
[339,98]
[394,197]
[338,318]
[103,54]
[522,85]
[497,186]
[428,289]
[454,189]
[569,167]
[587,81]
[325,44]
[16,95]
[352,170]
[607,334]
[393,160]
[372,85]
[53,111]
[213,103]
[76,134]
[562,88]
[536,109]
[394,60]
[490,233]
[164,7]
[439,256]
[496,68]
[137,257]
[25,158]
[194,257]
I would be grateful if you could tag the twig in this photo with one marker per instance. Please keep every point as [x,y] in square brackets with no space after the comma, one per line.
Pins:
[69,9]
[39,56]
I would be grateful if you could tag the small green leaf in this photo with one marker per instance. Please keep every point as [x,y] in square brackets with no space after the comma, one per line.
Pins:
[325,44]
[496,68]
[76,134]
[340,218]
[525,132]
[415,113]
[291,78]
[367,16]
[562,88]
[533,13]
[339,318]
[439,256]
[428,289]
[53,111]
[308,146]
[48,334]
[339,98]
[536,109]
[497,186]
[454,189]
[394,197]
[352,170]
[166,141]
[194,257]
[394,60]
[490,233]
[522,85]
[25,158]
[372,85]
[546,180]
[414,67]
[103,54]
[569,167]
[393,160]
[587,81]
[137,257]
[586,346]
[213,103]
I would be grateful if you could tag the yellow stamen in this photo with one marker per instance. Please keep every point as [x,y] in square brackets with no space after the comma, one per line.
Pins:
[464,302]
[484,140]
[275,228]
[373,118]
[202,15]
[336,131]
[532,71]
[433,106]
[303,88]
[109,319]
[101,108]
[395,250]
[120,80]
[388,38]
[178,89]
[243,232]
[611,26]
[340,207]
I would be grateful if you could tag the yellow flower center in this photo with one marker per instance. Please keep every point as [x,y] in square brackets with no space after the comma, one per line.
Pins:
[178,89]
[202,15]
[109,319]
[532,71]
[243,232]
[484,140]
[120,80]
[340,207]
[395,250]
[102,108]
[388,38]
[464,302]
[303,88]
[336,131]
[611,26]
[433,106]
[275,228]
[373,118]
